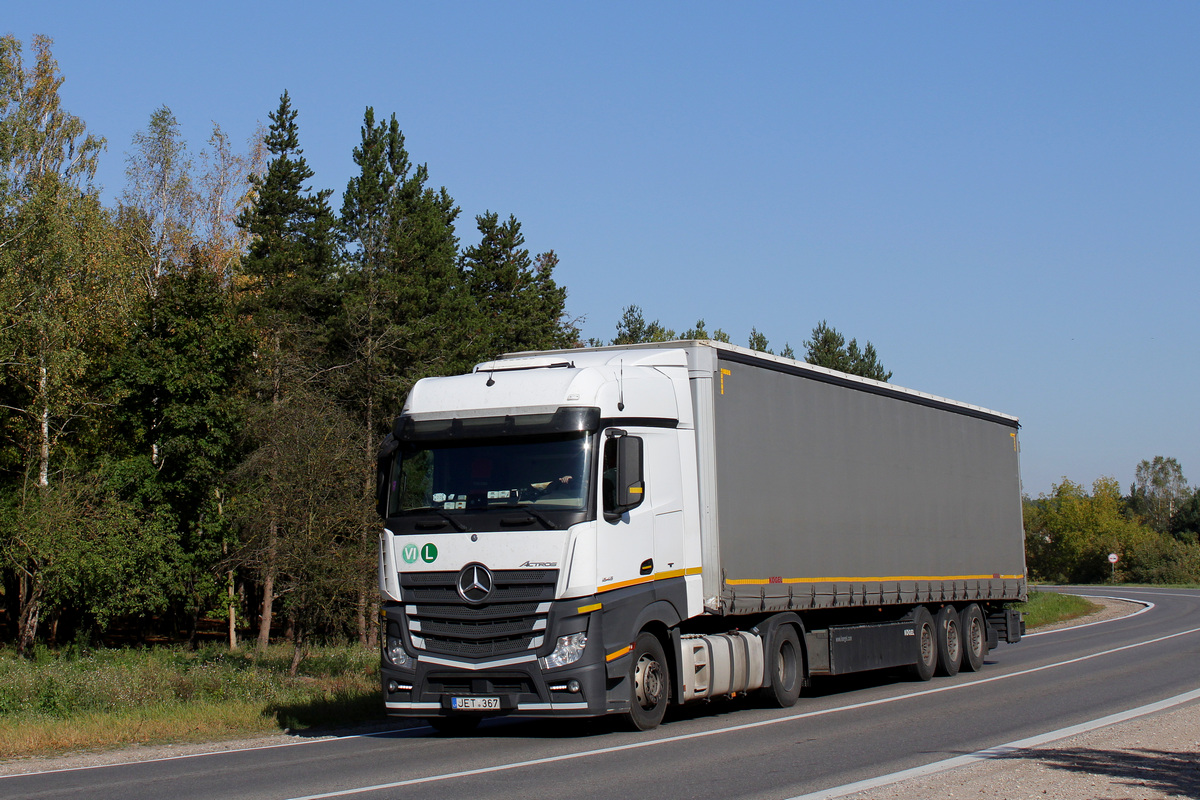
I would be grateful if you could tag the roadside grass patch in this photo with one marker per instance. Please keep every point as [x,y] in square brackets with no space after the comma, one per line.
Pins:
[97,699]
[1047,608]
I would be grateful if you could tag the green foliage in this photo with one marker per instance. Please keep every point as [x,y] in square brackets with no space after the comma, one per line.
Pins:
[519,305]
[1047,608]
[1069,534]
[1159,490]
[633,329]
[292,237]
[700,332]
[193,384]
[758,342]
[1185,524]
[828,348]
[87,546]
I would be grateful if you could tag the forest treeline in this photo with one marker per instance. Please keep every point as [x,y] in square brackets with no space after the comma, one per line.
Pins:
[1154,530]
[194,381]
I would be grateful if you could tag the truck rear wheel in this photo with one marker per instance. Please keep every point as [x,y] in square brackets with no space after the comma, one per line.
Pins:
[974,638]
[650,680]
[927,649]
[949,641]
[785,663]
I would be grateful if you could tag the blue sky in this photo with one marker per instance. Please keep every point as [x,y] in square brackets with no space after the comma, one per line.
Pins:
[1004,198]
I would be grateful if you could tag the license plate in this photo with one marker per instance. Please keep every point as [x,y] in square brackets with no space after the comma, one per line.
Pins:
[475,703]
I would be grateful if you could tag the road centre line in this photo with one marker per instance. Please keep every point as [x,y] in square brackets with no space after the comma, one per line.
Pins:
[731,729]
[999,751]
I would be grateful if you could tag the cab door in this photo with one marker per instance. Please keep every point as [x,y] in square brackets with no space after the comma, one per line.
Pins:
[641,521]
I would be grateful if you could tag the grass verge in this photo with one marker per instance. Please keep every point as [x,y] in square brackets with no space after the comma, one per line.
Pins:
[1047,608]
[92,700]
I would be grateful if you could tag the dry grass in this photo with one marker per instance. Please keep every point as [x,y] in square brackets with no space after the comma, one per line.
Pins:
[100,699]
[100,730]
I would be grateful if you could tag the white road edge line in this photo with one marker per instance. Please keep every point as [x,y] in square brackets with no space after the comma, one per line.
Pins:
[999,751]
[1146,606]
[731,729]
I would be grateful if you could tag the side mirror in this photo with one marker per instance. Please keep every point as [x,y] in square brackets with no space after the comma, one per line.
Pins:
[624,482]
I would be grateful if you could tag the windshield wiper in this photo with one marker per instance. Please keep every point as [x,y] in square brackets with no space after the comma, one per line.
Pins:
[458,526]
[539,517]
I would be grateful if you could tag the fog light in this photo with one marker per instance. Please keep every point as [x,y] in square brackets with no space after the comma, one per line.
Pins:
[573,686]
[394,652]
[568,650]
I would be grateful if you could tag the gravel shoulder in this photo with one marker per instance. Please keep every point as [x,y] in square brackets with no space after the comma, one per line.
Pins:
[1149,758]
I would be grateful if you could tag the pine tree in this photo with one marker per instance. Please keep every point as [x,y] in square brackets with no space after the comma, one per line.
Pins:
[828,348]
[520,307]
[632,328]
[404,313]
[292,234]
[290,296]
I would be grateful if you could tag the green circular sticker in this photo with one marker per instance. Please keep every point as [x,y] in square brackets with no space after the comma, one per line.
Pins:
[409,553]
[429,553]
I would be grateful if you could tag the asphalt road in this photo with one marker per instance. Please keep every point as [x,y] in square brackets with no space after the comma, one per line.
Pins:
[841,732]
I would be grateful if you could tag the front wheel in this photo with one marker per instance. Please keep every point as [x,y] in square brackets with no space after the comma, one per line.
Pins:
[785,662]
[651,682]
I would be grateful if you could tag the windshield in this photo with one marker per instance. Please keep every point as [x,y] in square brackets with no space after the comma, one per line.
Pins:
[539,473]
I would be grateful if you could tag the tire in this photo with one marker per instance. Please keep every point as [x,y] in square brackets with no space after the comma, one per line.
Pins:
[949,641]
[926,644]
[785,664]
[457,725]
[649,683]
[973,630]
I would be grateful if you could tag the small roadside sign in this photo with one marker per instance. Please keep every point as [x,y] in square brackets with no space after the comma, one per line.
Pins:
[1112,558]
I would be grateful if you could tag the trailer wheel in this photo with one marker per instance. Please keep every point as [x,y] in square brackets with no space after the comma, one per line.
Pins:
[974,638]
[458,725]
[949,641]
[785,663]
[927,645]
[650,680]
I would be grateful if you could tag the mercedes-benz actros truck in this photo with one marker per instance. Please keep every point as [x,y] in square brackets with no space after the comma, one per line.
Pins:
[614,530]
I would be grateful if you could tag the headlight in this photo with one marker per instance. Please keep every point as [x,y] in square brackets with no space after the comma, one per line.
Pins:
[394,652]
[568,650]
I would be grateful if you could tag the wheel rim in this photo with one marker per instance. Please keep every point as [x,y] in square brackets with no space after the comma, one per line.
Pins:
[648,682]
[975,637]
[953,644]
[927,644]
[785,667]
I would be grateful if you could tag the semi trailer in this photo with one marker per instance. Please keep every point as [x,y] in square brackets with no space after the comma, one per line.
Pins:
[614,530]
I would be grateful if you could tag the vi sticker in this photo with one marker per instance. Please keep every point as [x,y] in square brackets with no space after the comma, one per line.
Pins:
[427,552]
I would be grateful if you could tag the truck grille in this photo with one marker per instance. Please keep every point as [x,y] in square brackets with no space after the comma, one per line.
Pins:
[512,621]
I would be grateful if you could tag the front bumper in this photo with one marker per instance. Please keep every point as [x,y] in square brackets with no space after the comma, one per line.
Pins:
[522,688]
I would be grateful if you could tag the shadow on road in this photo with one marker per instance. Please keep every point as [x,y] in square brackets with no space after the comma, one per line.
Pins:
[1174,774]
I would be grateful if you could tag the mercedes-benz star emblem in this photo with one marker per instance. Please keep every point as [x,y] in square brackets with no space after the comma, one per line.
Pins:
[474,583]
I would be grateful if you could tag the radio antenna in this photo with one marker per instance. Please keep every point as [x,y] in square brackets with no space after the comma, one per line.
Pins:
[621,385]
